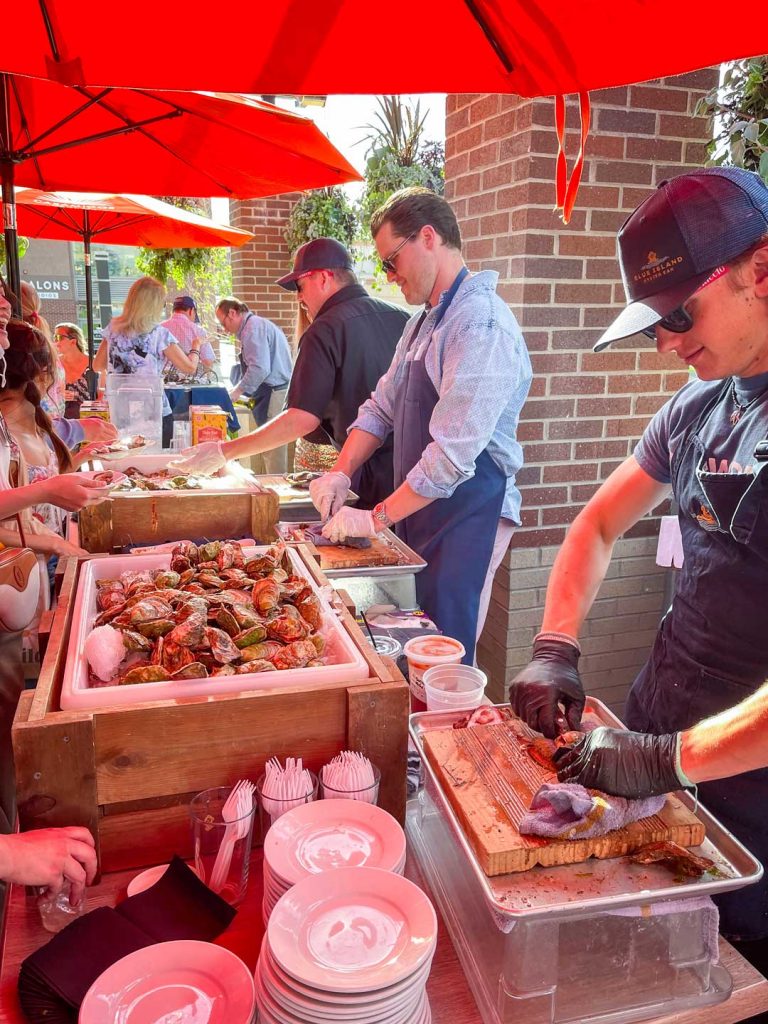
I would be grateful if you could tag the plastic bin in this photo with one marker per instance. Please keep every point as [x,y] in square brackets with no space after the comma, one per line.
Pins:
[602,968]
[454,687]
[136,404]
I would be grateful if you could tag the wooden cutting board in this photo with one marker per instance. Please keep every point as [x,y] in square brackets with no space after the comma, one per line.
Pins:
[490,780]
[342,557]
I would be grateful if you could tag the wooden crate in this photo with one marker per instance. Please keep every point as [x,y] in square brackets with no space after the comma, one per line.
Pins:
[159,516]
[128,773]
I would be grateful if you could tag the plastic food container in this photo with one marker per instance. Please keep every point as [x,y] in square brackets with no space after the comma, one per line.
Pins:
[425,652]
[454,687]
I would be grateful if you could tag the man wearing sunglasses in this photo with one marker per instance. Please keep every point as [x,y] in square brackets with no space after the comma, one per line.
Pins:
[451,401]
[694,259]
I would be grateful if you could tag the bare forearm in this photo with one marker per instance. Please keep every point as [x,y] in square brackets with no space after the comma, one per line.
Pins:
[19,498]
[577,573]
[358,448]
[404,502]
[729,743]
[284,428]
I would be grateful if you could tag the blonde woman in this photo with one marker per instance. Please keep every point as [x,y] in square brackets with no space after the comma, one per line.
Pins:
[136,341]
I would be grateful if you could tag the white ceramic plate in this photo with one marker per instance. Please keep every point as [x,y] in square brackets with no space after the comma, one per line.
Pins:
[183,981]
[352,930]
[117,477]
[326,834]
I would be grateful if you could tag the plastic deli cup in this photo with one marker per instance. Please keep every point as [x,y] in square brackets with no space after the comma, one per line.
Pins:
[425,652]
[454,687]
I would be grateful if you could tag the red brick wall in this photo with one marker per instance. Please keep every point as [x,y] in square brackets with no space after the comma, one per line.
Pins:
[585,410]
[257,265]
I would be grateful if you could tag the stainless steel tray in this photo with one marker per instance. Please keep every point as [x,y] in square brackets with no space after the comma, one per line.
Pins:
[412,562]
[594,885]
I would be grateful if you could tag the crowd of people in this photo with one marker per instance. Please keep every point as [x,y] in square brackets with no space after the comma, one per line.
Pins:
[423,412]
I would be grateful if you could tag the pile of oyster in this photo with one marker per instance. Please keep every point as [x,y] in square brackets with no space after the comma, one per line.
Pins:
[212,613]
[159,480]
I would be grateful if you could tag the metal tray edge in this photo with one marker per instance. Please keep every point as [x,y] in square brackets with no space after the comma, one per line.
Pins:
[716,833]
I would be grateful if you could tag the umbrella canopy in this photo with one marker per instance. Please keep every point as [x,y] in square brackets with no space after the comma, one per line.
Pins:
[54,136]
[116,220]
[528,47]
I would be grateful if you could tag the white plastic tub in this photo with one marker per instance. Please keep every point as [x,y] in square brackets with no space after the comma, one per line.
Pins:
[346,662]
[454,687]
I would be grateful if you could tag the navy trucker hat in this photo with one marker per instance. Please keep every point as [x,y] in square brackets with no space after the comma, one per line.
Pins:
[673,241]
[319,254]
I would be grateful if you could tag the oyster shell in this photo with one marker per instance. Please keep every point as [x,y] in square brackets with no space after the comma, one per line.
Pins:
[295,655]
[265,595]
[190,632]
[144,674]
[222,648]
[194,670]
[250,635]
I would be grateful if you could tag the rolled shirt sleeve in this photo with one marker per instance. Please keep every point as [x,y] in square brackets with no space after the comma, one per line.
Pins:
[481,372]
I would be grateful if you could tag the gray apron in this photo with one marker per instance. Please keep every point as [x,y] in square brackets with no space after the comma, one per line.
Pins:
[711,651]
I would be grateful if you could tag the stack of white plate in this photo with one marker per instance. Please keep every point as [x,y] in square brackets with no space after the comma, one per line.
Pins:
[352,946]
[327,835]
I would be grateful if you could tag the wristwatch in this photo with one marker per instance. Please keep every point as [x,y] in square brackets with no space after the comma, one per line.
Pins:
[380,517]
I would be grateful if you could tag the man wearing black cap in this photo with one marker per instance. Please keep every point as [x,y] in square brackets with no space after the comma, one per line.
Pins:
[694,259]
[184,325]
[347,347]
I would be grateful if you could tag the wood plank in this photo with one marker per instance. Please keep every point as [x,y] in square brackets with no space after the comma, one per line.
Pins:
[52,668]
[155,835]
[184,746]
[490,779]
[265,512]
[55,773]
[378,728]
[95,526]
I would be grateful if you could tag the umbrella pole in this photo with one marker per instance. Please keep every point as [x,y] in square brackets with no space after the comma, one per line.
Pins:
[9,200]
[92,376]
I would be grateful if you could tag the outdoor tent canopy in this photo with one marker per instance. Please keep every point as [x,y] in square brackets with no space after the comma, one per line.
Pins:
[528,47]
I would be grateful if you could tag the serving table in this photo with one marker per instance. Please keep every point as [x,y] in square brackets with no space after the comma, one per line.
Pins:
[449,994]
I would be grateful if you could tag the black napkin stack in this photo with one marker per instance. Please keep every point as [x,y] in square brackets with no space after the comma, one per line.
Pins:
[53,981]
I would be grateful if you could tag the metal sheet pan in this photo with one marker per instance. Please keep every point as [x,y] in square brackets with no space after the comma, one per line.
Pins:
[411,563]
[593,885]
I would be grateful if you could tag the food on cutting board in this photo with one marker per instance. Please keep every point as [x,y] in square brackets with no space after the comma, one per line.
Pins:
[679,860]
[213,612]
[160,480]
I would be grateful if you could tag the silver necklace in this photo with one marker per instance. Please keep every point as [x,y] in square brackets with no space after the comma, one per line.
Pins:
[740,409]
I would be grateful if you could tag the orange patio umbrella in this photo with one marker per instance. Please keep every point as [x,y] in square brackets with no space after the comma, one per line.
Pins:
[117,220]
[62,137]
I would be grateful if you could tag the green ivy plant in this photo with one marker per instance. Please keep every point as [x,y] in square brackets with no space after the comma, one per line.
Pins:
[204,273]
[739,108]
[22,244]
[323,213]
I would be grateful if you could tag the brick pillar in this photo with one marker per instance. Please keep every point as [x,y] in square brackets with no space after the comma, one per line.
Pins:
[257,265]
[585,411]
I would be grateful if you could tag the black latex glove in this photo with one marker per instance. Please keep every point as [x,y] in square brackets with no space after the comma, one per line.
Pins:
[630,764]
[551,678]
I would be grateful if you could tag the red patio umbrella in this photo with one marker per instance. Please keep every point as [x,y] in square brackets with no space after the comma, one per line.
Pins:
[57,137]
[528,47]
[116,220]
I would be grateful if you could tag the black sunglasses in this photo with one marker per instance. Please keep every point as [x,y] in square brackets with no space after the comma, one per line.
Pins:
[678,321]
[389,262]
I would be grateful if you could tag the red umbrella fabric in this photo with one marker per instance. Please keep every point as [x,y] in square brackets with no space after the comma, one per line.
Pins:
[61,137]
[528,47]
[162,143]
[118,220]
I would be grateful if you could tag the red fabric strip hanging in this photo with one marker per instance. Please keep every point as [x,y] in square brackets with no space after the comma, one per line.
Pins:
[566,189]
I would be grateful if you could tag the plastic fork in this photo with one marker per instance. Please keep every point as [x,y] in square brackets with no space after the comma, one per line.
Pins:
[234,812]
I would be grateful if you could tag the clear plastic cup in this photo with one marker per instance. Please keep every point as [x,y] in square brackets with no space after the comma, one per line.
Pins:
[369,794]
[222,847]
[425,652]
[56,912]
[270,809]
[454,687]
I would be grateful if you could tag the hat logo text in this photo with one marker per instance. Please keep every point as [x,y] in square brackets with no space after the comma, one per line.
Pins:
[657,267]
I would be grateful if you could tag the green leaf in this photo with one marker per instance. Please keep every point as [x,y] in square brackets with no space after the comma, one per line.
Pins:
[763,168]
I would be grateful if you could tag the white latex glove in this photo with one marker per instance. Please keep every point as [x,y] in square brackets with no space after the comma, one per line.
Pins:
[329,492]
[202,460]
[349,522]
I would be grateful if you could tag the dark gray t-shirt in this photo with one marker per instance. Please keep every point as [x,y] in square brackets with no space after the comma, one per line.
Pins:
[728,447]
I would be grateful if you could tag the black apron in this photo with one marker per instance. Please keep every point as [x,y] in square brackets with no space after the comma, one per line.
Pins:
[454,535]
[719,607]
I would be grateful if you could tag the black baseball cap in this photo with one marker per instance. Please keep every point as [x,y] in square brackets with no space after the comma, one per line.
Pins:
[319,254]
[688,227]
